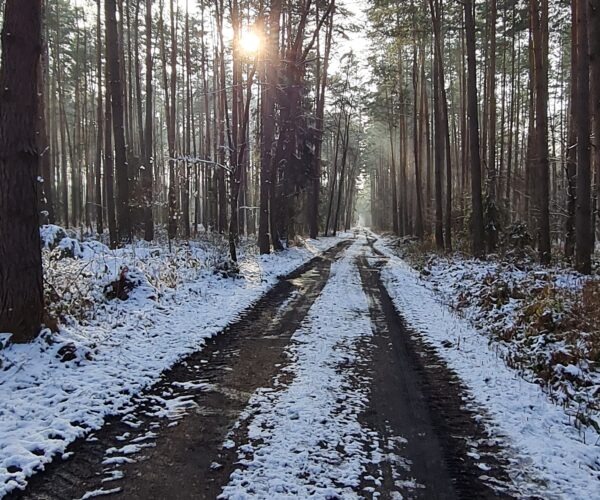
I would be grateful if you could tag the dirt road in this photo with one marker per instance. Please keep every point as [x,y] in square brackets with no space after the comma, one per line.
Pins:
[384,417]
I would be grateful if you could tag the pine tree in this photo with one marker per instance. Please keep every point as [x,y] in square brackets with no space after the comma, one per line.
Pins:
[21,285]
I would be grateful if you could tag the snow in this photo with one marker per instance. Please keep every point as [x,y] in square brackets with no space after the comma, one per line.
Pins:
[304,434]
[51,235]
[542,444]
[99,493]
[540,318]
[305,440]
[62,386]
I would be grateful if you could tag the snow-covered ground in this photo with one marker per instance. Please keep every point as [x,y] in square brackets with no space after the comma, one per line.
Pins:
[304,435]
[305,440]
[63,385]
[544,320]
[542,442]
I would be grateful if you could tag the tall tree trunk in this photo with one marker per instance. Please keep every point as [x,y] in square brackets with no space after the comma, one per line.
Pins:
[417,146]
[346,146]
[269,95]
[444,125]
[477,226]
[594,49]
[99,124]
[511,122]
[438,134]
[46,201]
[21,286]
[583,212]
[394,188]
[185,195]
[109,168]
[539,15]
[116,91]
[314,200]
[147,173]
[492,178]
[333,175]
[170,89]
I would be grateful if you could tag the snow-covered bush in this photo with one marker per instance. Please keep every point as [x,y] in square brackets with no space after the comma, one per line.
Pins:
[81,278]
[52,235]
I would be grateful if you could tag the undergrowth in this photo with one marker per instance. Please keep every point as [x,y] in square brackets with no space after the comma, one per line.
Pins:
[546,319]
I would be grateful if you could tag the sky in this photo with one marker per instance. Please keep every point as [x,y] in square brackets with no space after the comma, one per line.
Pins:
[358,42]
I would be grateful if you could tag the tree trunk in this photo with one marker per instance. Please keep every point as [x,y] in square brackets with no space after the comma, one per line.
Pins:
[314,200]
[438,135]
[46,192]
[492,178]
[147,173]
[116,92]
[594,49]
[417,147]
[269,95]
[21,286]
[477,226]
[346,146]
[539,14]
[109,169]
[99,125]
[583,212]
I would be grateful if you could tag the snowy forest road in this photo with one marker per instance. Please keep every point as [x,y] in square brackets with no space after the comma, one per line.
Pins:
[319,390]
[415,395]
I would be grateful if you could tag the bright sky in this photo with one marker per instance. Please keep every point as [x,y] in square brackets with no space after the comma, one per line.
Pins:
[358,42]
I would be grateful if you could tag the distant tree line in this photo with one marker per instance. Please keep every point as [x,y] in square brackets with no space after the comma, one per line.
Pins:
[493,122]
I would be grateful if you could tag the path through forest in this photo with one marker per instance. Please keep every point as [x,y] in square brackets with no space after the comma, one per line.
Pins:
[321,389]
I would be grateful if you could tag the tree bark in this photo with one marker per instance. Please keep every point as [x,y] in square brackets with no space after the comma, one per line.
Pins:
[99,124]
[314,200]
[21,285]
[539,15]
[417,147]
[114,64]
[148,172]
[492,178]
[477,225]
[583,212]
[269,94]
[594,49]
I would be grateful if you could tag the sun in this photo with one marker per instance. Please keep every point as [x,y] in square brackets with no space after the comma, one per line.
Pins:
[250,43]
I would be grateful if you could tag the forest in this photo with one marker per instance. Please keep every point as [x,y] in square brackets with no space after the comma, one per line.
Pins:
[227,117]
[491,117]
[168,166]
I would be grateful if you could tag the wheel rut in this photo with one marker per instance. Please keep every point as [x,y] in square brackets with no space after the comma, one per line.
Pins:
[169,443]
[416,396]
[177,439]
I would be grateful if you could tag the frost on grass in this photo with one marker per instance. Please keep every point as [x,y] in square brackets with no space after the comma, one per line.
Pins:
[542,443]
[306,440]
[106,347]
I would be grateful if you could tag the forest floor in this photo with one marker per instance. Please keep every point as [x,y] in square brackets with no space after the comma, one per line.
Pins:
[543,321]
[106,350]
[347,379]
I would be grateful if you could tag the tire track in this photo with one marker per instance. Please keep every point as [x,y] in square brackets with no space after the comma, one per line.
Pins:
[416,396]
[169,443]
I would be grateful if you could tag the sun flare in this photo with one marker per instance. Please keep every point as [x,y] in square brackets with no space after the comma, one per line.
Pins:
[250,43]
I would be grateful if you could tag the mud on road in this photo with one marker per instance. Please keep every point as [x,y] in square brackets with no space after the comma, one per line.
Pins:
[416,396]
[168,443]
[173,441]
